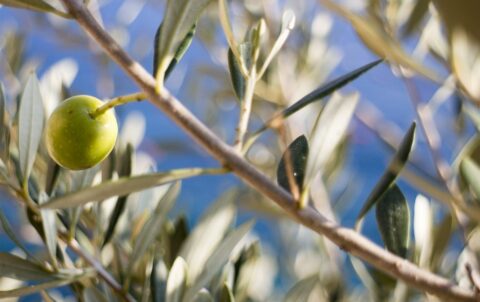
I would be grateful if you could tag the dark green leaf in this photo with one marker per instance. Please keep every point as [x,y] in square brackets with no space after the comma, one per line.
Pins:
[177,238]
[298,153]
[30,125]
[17,268]
[119,187]
[471,173]
[158,281]
[388,178]
[182,48]
[226,294]
[125,170]
[393,219]
[319,93]
[238,81]
[179,17]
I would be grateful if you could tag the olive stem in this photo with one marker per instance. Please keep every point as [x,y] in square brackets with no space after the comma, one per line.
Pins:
[124,99]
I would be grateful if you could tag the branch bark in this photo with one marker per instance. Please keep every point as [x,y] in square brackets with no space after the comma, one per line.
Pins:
[345,238]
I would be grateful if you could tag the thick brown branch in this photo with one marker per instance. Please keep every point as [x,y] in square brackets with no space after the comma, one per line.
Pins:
[345,238]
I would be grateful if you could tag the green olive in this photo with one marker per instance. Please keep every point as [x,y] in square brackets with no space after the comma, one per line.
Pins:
[75,138]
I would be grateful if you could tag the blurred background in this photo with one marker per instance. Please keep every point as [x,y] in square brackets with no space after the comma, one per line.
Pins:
[321,47]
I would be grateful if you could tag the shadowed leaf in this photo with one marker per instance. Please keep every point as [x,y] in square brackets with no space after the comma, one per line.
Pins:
[471,173]
[298,152]
[158,281]
[388,178]
[226,294]
[393,219]
[49,225]
[182,48]
[17,268]
[238,81]
[319,93]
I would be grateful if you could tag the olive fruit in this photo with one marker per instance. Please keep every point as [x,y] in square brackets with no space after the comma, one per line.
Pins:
[76,138]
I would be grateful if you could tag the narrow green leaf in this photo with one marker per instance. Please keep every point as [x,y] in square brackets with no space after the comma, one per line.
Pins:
[388,178]
[177,281]
[226,294]
[153,226]
[122,186]
[53,173]
[17,268]
[49,224]
[31,289]
[30,125]
[158,281]
[179,17]
[302,289]
[36,5]
[238,81]
[471,173]
[329,131]
[393,219]
[298,153]
[319,93]
[182,48]
[125,170]
[218,259]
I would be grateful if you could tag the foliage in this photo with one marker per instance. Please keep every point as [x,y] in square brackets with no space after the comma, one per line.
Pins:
[112,233]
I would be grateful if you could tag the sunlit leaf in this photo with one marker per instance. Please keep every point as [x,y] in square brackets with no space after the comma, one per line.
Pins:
[202,296]
[208,234]
[320,93]
[182,48]
[328,132]
[393,219]
[298,153]
[49,224]
[31,289]
[122,186]
[302,290]
[153,226]
[379,41]
[30,126]
[388,178]
[179,17]
[177,281]
[17,268]
[218,259]
[36,5]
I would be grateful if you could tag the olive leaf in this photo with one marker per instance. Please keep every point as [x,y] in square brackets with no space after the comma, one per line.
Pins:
[388,178]
[125,170]
[416,16]
[30,126]
[177,281]
[318,94]
[236,76]
[12,266]
[158,280]
[36,5]
[302,290]
[226,294]
[180,51]
[122,186]
[470,171]
[298,153]
[393,219]
[179,17]
[49,225]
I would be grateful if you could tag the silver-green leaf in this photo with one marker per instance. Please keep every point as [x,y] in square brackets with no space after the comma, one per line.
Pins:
[30,126]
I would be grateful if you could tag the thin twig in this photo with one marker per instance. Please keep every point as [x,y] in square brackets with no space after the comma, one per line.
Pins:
[75,247]
[345,238]
[134,97]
